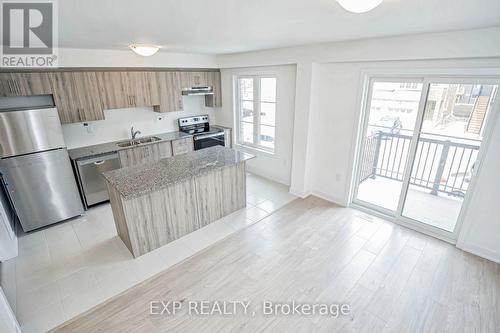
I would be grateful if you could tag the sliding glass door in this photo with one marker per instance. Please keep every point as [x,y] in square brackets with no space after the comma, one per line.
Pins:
[390,124]
[420,148]
[451,134]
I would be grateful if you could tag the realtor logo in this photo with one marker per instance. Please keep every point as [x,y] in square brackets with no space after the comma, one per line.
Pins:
[28,34]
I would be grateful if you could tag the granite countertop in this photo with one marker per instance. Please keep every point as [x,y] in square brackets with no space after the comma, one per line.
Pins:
[110,147]
[138,180]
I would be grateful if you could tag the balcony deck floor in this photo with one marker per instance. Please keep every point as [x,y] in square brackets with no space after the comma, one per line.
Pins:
[440,210]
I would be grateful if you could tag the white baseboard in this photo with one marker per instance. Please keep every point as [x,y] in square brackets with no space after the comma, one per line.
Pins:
[299,194]
[480,252]
[329,198]
[276,180]
[320,195]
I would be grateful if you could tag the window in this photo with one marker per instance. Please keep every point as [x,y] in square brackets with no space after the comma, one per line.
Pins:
[408,85]
[256,111]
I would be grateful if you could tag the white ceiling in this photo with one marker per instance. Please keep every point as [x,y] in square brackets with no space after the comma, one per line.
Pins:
[226,26]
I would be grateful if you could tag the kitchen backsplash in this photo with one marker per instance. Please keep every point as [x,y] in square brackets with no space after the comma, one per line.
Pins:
[117,124]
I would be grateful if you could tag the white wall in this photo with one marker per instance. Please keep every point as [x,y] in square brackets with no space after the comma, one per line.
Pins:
[327,106]
[333,125]
[117,123]
[276,167]
[480,43]
[481,229]
[127,58]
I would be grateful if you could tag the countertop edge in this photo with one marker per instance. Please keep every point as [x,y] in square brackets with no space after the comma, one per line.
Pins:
[115,148]
[160,188]
[116,182]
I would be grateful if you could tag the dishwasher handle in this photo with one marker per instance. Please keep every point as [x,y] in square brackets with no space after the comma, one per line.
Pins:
[98,160]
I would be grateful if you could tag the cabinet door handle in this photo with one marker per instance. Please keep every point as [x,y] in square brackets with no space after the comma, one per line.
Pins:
[12,87]
[18,87]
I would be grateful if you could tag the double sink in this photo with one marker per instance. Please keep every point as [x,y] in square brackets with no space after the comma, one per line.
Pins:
[135,142]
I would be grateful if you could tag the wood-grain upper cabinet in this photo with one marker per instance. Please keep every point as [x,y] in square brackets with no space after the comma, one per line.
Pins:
[83,95]
[198,79]
[145,154]
[76,96]
[215,100]
[138,87]
[24,84]
[113,90]
[169,87]
[182,146]
[128,89]
[153,87]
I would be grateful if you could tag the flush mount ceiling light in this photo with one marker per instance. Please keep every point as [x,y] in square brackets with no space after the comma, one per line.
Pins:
[144,50]
[359,6]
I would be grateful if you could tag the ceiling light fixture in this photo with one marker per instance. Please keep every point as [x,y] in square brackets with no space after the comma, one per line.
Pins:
[359,6]
[144,50]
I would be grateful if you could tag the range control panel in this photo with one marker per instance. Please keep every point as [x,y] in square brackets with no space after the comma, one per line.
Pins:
[193,120]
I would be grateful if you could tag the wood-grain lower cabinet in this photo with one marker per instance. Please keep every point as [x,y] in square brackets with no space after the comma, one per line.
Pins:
[182,146]
[76,96]
[145,154]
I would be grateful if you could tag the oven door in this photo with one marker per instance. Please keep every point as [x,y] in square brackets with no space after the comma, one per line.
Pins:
[208,140]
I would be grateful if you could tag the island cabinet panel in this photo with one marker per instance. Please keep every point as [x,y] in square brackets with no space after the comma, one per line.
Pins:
[76,96]
[161,217]
[145,154]
[233,180]
[219,193]
[119,216]
[169,89]
[153,219]
[182,146]
[209,196]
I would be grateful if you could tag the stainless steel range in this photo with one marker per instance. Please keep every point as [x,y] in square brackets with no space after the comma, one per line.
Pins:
[204,135]
[35,167]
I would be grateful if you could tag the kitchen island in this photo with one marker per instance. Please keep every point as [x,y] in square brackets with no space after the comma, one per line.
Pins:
[154,204]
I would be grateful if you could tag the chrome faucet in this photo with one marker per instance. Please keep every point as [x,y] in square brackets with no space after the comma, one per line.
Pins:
[133,133]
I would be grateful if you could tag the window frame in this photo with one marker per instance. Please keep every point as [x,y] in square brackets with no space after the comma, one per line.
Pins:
[256,111]
[427,75]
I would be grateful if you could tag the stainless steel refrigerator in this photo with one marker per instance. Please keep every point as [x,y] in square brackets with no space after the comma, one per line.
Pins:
[35,167]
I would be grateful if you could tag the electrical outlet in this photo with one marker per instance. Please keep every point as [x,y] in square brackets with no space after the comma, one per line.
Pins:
[89,127]
[338,177]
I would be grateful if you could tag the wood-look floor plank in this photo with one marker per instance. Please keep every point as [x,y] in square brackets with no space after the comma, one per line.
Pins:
[312,251]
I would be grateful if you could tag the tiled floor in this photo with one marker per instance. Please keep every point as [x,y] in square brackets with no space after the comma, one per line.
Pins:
[66,269]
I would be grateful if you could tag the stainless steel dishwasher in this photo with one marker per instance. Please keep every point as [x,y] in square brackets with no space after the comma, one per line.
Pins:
[92,183]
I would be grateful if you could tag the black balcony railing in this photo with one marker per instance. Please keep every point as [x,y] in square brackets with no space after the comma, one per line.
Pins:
[442,164]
